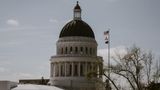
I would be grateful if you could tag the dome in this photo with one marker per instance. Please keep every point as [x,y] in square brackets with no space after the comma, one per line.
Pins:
[77,28]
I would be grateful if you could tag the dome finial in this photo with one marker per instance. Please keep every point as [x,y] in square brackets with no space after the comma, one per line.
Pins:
[77,12]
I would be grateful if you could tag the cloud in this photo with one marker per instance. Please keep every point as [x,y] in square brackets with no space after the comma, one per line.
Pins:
[21,75]
[26,75]
[12,22]
[113,51]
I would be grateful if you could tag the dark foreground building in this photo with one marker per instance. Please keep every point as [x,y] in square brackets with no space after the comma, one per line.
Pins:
[41,81]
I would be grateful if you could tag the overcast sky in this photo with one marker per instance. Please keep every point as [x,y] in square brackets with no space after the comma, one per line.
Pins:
[29,30]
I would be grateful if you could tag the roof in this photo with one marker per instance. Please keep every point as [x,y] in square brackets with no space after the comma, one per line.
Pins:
[6,85]
[35,87]
[77,6]
[77,28]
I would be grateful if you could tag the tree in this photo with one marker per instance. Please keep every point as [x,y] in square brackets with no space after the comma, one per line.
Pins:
[157,71]
[134,66]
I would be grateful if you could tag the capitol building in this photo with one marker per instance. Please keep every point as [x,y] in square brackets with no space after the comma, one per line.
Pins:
[75,66]
[76,57]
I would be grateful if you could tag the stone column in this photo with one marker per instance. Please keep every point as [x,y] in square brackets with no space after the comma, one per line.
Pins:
[51,73]
[59,65]
[100,69]
[53,69]
[91,66]
[65,64]
[72,69]
[86,67]
[79,69]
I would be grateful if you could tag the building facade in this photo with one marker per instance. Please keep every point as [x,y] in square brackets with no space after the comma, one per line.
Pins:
[76,57]
[7,85]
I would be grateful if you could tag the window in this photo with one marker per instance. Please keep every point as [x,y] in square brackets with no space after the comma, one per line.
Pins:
[75,70]
[57,69]
[62,51]
[91,51]
[82,69]
[62,70]
[70,70]
[76,49]
[70,49]
[66,50]
[94,51]
[86,50]
[81,49]
[89,66]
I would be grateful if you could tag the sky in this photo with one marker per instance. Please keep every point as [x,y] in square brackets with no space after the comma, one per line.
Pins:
[29,30]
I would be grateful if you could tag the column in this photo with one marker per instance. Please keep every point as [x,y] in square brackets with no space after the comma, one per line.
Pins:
[96,69]
[59,65]
[65,64]
[72,69]
[79,69]
[100,70]
[92,66]
[53,69]
[86,67]
[57,69]
[51,73]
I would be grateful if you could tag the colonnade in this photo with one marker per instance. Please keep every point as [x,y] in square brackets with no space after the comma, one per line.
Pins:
[71,69]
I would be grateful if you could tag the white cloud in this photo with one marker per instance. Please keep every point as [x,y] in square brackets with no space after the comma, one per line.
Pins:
[113,51]
[22,75]
[12,22]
